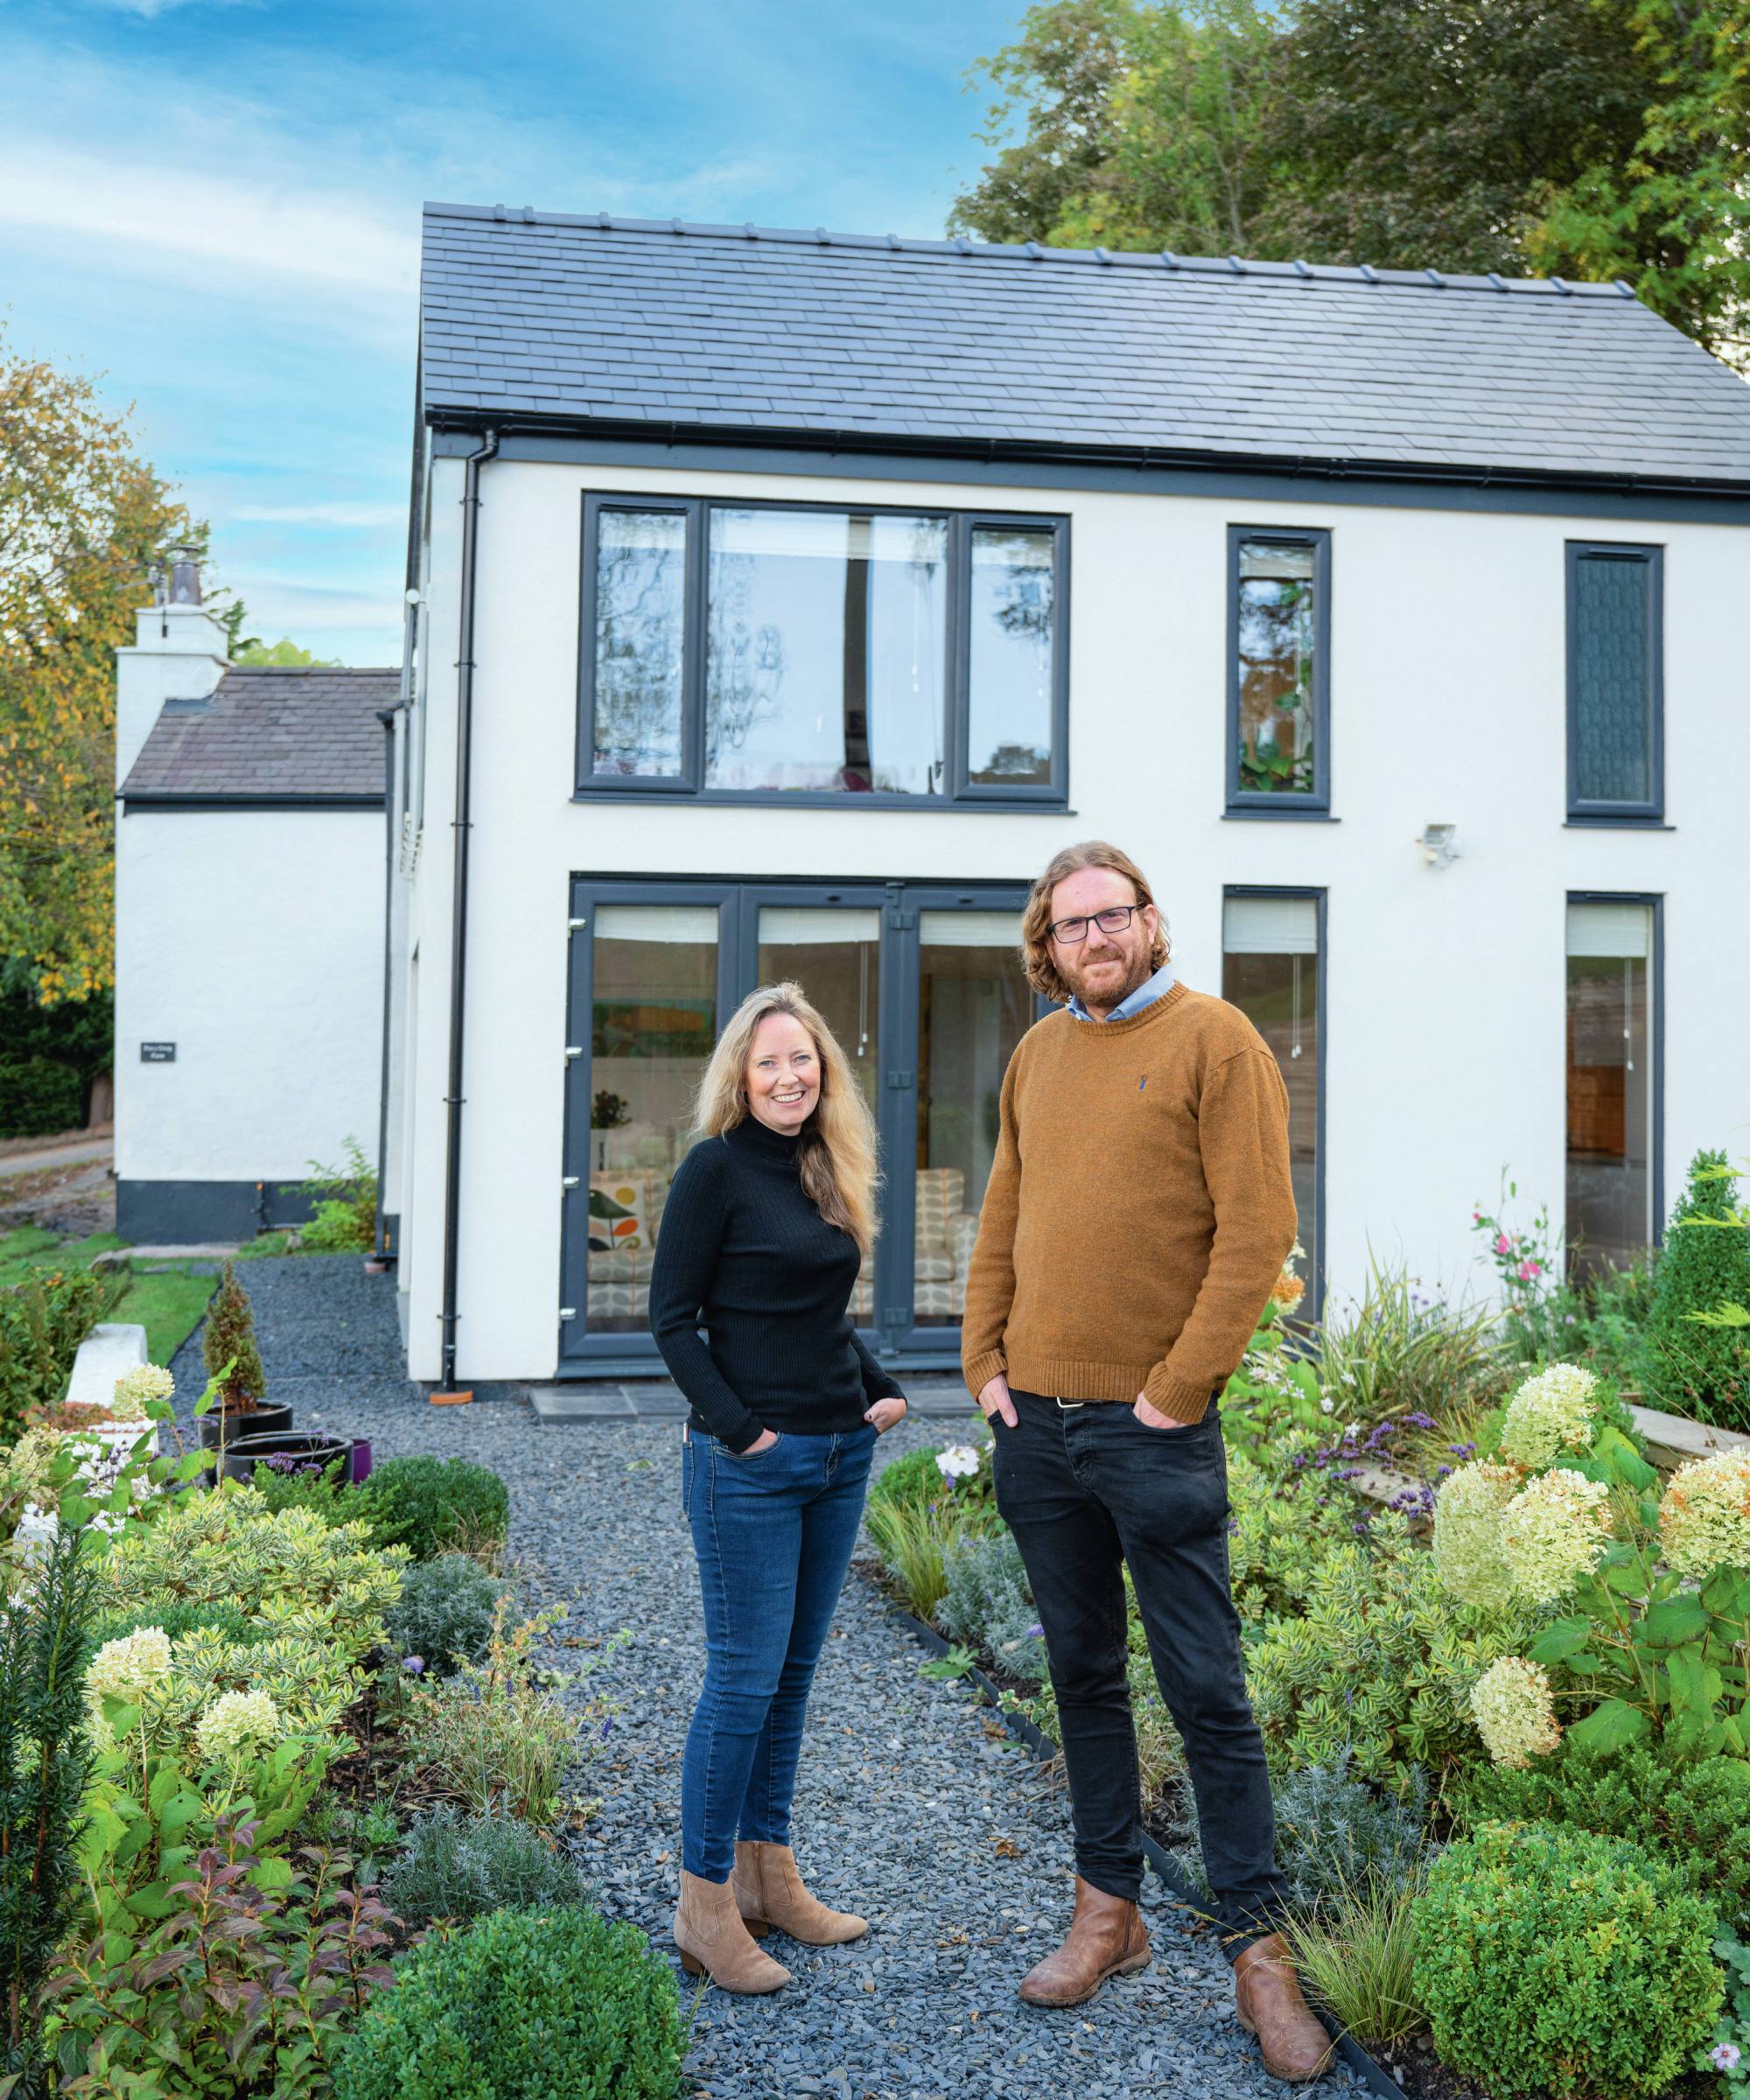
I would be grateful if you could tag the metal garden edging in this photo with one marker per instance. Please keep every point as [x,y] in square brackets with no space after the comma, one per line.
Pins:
[1375,2079]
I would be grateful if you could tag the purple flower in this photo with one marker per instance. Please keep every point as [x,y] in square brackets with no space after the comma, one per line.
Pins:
[1034,1631]
[607,1724]
[413,1663]
[1420,1421]
[1724,2057]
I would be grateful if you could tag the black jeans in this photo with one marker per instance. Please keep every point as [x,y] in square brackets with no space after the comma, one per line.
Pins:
[1086,1491]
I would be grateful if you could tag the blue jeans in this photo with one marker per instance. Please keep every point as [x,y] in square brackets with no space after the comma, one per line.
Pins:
[774,1535]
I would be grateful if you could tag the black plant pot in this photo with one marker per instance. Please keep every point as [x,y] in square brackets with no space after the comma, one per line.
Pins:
[244,1454]
[243,1422]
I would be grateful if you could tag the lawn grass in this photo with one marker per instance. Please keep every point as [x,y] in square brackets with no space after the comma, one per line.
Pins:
[166,1299]
[30,1247]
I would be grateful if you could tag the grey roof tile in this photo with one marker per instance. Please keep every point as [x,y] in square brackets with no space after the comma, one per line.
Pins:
[272,731]
[619,321]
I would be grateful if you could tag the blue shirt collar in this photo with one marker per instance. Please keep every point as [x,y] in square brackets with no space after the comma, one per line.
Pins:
[1145,995]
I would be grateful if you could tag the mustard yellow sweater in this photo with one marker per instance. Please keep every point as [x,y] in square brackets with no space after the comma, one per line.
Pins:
[1139,1207]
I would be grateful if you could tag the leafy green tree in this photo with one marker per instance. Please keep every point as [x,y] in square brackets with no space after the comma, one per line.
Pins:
[1689,1366]
[1585,138]
[257,655]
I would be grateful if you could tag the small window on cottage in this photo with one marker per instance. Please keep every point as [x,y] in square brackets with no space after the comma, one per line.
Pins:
[1278,590]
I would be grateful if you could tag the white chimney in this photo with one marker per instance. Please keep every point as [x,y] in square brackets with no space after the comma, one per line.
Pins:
[178,653]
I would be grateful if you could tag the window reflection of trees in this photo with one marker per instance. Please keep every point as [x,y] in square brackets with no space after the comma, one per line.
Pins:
[1276,648]
[1013,576]
[641,572]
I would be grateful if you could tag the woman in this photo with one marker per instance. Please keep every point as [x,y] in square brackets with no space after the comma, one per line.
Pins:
[766,1226]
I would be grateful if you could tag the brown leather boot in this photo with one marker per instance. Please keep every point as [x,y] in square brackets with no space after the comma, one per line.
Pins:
[769,1891]
[1107,1938]
[714,1942]
[1295,2046]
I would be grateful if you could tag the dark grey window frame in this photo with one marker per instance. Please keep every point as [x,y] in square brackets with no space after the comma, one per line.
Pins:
[1314,1303]
[962,793]
[1656,900]
[1586,810]
[738,899]
[1314,805]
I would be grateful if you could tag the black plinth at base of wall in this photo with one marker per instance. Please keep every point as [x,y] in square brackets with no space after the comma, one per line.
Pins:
[168,1213]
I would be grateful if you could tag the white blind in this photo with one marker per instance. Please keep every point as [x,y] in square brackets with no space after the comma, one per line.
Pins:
[828,536]
[675,922]
[970,929]
[815,926]
[1270,926]
[1610,932]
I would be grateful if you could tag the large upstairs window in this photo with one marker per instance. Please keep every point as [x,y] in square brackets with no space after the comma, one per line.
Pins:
[767,651]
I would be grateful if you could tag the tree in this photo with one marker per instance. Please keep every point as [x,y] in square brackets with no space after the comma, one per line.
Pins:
[1590,138]
[82,519]
[255,655]
[229,1338]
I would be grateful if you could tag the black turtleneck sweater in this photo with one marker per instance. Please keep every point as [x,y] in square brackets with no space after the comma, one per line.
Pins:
[743,1252]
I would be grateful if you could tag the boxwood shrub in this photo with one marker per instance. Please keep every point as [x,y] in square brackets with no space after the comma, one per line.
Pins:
[436,1506]
[1555,1960]
[525,2005]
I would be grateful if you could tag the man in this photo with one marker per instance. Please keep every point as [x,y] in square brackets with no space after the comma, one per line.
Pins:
[1138,1212]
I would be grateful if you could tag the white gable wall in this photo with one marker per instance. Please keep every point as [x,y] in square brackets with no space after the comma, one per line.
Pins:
[252,939]
[1444,1056]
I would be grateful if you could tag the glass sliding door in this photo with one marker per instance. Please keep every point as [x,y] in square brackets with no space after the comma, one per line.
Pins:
[651,1022]
[922,986]
[1611,1094]
[1272,970]
[974,1006]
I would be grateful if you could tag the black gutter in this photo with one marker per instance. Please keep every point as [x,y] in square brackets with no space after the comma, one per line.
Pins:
[386,716]
[657,432]
[458,921]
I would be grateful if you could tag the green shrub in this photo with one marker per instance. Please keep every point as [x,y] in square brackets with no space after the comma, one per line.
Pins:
[176,1616]
[229,1337]
[987,1605]
[434,1506]
[914,1481]
[1694,1815]
[39,1098]
[42,1322]
[458,1866]
[1337,1838]
[1687,1367]
[537,2005]
[1380,1664]
[446,1612]
[1287,1515]
[913,1540]
[325,1490]
[1553,1961]
[346,1216]
[490,1736]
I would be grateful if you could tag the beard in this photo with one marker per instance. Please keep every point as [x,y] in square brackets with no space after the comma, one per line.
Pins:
[1139,970]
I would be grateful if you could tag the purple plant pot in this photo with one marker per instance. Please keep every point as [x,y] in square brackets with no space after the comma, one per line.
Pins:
[362,1461]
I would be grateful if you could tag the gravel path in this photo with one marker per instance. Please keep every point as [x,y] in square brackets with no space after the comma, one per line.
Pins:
[914,1806]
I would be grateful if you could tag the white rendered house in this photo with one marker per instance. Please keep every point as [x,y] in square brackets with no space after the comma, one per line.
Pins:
[249,928]
[784,600]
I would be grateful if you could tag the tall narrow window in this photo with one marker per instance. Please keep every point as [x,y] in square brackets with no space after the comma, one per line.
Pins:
[653,1022]
[1011,679]
[1615,681]
[1278,703]
[1271,970]
[1611,1094]
[641,586]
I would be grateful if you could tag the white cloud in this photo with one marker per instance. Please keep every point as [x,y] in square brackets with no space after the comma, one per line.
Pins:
[349,517]
[249,230]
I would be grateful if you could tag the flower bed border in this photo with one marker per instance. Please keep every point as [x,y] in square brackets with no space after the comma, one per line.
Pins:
[1376,2079]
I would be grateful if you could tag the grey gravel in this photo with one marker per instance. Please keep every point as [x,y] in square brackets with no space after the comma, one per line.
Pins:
[911,1806]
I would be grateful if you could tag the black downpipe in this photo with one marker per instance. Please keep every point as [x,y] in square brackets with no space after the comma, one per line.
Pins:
[386,716]
[458,926]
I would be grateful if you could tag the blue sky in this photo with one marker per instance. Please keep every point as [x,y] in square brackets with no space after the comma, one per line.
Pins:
[212,207]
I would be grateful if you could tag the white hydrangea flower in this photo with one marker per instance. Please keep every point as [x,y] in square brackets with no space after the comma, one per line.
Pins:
[1468,1555]
[238,1721]
[1704,1517]
[958,1462]
[134,1389]
[1514,1712]
[1550,1414]
[1553,1531]
[128,1667]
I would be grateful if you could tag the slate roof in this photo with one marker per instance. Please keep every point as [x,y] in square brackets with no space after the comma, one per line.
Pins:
[656,328]
[274,733]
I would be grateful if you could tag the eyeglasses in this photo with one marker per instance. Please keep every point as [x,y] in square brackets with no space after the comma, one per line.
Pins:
[1113,919]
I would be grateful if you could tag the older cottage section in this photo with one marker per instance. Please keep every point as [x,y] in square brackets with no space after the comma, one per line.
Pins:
[782,600]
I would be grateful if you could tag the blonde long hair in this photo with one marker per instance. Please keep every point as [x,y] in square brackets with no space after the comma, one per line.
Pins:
[836,1156]
[1036,956]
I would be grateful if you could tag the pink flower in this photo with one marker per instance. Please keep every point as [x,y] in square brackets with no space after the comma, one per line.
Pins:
[1502,1244]
[1528,1270]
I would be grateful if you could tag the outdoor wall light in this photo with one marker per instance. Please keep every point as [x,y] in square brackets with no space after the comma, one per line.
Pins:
[1436,844]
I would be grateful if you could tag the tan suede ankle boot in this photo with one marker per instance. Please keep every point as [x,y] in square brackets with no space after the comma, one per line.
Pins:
[1295,2045]
[769,1891]
[713,1942]
[1107,1938]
